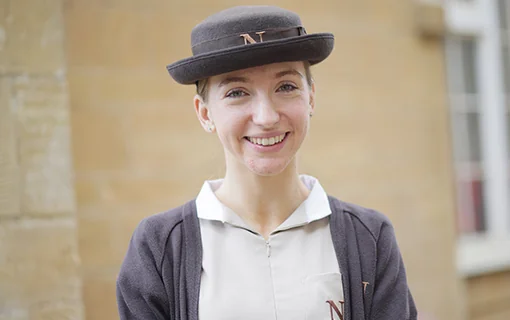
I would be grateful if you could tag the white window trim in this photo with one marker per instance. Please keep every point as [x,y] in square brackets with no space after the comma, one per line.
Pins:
[491,251]
[478,254]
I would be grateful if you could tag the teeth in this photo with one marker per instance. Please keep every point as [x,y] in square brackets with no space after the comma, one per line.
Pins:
[267,141]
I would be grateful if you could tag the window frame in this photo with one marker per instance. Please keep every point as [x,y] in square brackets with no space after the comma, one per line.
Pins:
[488,251]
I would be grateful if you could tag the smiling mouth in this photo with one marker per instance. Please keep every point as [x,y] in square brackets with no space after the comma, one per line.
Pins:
[267,142]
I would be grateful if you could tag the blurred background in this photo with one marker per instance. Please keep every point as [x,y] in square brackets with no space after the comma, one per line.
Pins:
[412,119]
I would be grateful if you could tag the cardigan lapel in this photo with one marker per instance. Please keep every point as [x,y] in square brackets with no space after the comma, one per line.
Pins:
[340,245]
[346,240]
[192,260]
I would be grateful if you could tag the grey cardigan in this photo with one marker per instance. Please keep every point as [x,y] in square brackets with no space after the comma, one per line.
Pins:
[160,275]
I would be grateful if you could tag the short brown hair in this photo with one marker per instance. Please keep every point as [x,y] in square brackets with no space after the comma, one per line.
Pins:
[202,85]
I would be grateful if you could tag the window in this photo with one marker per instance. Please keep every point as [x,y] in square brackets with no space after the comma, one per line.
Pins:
[504,16]
[477,50]
[465,115]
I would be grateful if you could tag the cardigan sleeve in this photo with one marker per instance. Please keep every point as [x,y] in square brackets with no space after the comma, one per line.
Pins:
[140,290]
[392,298]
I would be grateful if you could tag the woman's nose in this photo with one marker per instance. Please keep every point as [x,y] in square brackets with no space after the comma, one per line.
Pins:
[265,114]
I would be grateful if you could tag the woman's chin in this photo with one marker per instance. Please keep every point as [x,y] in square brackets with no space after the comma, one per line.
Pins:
[267,167]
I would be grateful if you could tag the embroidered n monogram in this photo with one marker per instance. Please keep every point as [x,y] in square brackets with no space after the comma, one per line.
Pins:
[249,39]
[338,311]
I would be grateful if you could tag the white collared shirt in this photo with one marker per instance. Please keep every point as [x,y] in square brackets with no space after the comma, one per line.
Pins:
[293,275]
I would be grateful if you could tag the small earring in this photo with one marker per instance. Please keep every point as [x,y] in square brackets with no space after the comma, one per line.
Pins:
[311,114]
[210,127]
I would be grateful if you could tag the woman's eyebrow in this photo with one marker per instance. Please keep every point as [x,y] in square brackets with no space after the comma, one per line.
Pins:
[288,72]
[228,80]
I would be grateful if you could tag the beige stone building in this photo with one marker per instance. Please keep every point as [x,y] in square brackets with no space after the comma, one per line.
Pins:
[94,136]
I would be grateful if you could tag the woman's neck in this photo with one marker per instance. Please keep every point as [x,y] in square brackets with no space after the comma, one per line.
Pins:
[264,202]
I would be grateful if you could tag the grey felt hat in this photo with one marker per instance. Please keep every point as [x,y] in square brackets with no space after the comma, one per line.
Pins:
[248,36]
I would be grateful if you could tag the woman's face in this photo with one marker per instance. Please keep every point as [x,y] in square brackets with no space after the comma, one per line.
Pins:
[261,115]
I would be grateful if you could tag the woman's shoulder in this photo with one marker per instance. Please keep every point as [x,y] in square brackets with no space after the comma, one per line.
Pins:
[155,230]
[170,217]
[374,221]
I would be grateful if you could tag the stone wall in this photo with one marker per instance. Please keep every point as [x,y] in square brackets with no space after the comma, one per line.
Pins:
[489,296]
[39,261]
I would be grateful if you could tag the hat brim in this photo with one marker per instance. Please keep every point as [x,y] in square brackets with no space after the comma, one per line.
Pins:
[313,48]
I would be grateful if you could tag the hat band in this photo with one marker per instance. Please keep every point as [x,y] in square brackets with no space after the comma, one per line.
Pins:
[246,39]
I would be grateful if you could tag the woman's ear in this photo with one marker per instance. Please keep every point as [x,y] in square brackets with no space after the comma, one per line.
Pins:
[312,98]
[203,114]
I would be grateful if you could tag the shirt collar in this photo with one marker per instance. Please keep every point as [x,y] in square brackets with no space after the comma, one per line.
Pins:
[315,207]
[210,208]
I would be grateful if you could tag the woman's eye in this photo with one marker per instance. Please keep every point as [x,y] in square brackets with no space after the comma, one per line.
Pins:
[235,94]
[287,87]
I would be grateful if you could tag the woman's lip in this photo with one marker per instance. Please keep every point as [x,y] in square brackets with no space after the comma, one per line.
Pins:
[268,135]
[269,148]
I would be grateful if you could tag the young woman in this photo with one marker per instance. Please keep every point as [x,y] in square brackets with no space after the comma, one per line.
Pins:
[263,242]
